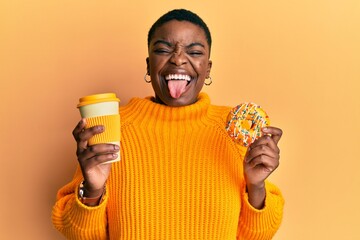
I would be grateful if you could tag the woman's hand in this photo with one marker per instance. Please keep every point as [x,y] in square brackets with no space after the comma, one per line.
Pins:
[91,159]
[261,159]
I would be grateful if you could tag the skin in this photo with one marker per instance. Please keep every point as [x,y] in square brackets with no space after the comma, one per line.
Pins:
[261,159]
[177,47]
[91,158]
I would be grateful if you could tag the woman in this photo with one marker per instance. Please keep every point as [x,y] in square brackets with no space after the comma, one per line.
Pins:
[181,176]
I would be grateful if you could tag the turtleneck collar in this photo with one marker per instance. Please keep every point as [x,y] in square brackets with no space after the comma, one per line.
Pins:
[146,108]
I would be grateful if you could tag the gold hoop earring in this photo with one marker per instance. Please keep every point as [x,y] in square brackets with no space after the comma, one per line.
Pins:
[208,83]
[147,81]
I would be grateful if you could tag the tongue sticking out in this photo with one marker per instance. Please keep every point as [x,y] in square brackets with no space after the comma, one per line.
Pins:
[177,87]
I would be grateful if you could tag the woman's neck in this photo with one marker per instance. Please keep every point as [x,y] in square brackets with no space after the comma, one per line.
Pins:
[151,109]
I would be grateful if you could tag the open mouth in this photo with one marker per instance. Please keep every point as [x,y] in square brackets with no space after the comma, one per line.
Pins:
[177,84]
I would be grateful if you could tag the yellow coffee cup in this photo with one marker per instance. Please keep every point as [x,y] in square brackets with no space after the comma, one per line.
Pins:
[102,109]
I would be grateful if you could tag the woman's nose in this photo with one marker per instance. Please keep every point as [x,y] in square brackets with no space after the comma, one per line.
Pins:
[178,58]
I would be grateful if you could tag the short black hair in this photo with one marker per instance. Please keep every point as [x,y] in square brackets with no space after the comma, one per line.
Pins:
[180,15]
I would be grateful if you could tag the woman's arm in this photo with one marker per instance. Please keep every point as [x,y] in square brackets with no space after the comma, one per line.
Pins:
[70,216]
[76,220]
[261,223]
[262,203]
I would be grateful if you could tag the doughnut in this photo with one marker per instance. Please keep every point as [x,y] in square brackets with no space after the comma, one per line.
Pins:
[244,123]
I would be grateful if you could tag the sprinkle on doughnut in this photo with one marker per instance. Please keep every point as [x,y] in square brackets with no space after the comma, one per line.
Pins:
[244,123]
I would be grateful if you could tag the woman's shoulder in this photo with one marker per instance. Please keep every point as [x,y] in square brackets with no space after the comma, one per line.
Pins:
[132,109]
[219,111]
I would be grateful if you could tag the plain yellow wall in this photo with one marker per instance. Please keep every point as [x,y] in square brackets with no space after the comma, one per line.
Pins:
[300,60]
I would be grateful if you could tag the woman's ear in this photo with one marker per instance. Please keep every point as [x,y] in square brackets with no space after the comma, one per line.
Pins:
[147,66]
[208,68]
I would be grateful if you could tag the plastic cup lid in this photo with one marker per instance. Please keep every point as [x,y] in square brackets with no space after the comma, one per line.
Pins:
[98,98]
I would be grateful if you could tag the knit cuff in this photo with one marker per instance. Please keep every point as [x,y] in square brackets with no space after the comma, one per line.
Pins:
[89,217]
[82,222]
[262,223]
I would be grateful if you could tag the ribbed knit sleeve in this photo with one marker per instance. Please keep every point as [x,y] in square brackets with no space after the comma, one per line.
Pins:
[76,220]
[261,224]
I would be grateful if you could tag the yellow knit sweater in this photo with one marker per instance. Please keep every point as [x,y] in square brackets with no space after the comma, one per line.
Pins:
[180,177]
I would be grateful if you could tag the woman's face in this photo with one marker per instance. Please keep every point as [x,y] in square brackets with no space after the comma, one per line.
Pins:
[178,62]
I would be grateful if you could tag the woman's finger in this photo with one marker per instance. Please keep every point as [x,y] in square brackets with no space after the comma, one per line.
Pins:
[100,159]
[79,128]
[269,163]
[259,150]
[98,150]
[275,133]
[267,140]
[86,134]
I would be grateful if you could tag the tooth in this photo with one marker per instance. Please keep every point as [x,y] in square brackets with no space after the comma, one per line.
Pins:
[177,77]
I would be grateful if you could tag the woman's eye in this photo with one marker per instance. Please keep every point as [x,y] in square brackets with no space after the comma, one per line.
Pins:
[195,53]
[162,51]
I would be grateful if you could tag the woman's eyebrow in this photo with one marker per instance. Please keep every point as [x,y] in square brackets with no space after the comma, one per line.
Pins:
[162,42]
[170,45]
[195,44]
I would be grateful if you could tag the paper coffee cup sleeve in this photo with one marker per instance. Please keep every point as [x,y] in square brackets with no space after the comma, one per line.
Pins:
[112,129]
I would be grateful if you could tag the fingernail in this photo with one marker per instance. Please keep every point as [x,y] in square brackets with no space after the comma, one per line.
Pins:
[265,129]
[115,155]
[100,128]
[116,147]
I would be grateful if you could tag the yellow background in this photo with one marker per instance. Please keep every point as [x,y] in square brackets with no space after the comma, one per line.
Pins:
[300,60]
